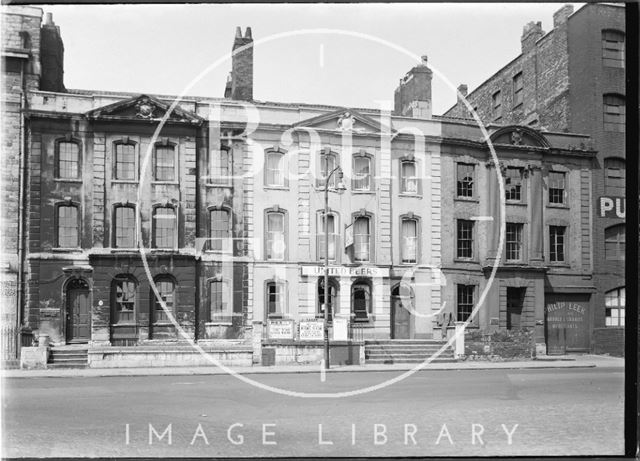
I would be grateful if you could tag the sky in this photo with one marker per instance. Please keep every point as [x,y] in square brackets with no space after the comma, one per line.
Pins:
[161,49]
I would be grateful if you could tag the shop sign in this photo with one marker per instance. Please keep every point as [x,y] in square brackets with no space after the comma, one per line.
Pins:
[311,330]
[348,236]
[280,329]
[343,271]
[612,207]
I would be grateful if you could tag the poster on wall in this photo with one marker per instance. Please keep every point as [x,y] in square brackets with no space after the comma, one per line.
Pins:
[311,330]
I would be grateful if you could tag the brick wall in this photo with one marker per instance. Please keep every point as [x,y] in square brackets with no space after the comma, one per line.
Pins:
[608,341]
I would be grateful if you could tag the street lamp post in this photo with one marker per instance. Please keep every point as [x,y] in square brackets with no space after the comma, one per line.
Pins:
[339,187]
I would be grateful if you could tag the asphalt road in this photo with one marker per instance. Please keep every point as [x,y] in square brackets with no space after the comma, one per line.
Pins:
[432,413]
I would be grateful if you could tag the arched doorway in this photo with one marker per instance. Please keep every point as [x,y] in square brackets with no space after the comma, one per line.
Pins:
[333,296]
[402,304]
[361,306]
[78,327]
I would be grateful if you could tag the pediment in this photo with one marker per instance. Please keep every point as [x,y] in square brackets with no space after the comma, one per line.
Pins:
[142,108]
[344,120]
[519,136]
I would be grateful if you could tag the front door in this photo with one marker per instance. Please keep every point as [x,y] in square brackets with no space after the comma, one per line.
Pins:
[567,323]
[78,312]
[401,319]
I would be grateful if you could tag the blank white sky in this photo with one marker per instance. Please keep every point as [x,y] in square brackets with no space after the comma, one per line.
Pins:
[161,48]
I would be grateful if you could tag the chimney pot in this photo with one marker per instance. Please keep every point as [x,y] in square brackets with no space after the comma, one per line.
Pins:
[49,19]
[462,88]
[238,32]
[425,59]
[247,34]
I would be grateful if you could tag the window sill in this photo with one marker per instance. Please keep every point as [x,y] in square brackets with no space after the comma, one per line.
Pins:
[284,188]
[210,184]
[124,250]
[72,180]
[560,206]
[466,199]
[466,260]
[125,181]
[165,183]
[67,250]
[559,265]
[515,203]
[363,192]
[162,324]
[407,194]
[163,250]
[215,323]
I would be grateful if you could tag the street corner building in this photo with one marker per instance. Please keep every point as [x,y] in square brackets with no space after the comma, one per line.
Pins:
[134,230]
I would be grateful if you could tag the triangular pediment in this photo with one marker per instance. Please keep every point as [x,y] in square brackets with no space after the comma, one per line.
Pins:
[345,120]
[519,136]
[142,108]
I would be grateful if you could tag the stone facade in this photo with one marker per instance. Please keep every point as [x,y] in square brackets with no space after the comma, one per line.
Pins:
[565,79]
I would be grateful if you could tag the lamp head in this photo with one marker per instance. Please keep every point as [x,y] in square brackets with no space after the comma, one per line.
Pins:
[340,187]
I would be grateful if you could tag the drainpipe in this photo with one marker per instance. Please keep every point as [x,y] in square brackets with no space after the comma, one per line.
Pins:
[22,153]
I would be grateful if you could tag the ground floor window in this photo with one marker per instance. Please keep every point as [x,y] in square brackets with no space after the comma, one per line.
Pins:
[219,301]
[515,303]
[166,290]
[361,301]
[333,297]
[614,302]
[275,299]
[124,299]
[464,304]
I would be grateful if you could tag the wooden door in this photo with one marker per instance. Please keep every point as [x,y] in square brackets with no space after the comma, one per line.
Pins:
[401,319]
[78,313]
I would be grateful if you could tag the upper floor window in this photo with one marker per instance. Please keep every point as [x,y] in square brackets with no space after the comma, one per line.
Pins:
[556,187]
[613,48]
[164,227]
[274,170]
[68,235]
[275,241]
[164,166]
[124,291]
[332,230]
[219,301]
[362,238]
[409,177]
[497,104]
[465,179]
[68,160]
[464,239]
[124,227]
[513,184]
[166,290]
[221,166]
[409,244]
[615,172]
[219,228]
[614,112]
[614,242]
[125,161]
[518,93]
[464,302]
[361,173]
[614,302]
[514,241]
[275,299]
[557,243]
[328,163]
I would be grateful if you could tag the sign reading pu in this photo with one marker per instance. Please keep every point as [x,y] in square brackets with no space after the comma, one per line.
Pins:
[612,207]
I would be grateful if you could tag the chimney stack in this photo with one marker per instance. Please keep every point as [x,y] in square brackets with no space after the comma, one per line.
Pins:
[51,57]
[531,33]
[412,98]
[242,67]
[560,17]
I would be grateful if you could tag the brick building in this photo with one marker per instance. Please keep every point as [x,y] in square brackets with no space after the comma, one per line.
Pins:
[572,79]
[226,217]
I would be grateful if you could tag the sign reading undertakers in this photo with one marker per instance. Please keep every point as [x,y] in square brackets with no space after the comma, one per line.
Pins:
[342,271]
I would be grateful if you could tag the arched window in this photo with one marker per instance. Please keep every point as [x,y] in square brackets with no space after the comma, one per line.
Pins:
[613,48]
[465,176]
[68,226]
[275,230]
[614,302]
[124,226]
[67,160]
[328,163]
[125,161]
[409,243]
[166,288]
[614,172]
[614,242]
[123,295]
[333,226]
[164,163]
[164,227]
[362,238]
[219,229]
[362,173]
[274,170]
[334,289]
[361,301]
[614,112]
[276,301]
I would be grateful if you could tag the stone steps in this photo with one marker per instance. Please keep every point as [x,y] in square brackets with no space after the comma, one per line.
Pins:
[406,351]
[68,357]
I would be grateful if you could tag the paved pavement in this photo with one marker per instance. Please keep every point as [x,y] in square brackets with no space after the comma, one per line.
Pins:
[512,412]
[565,361]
